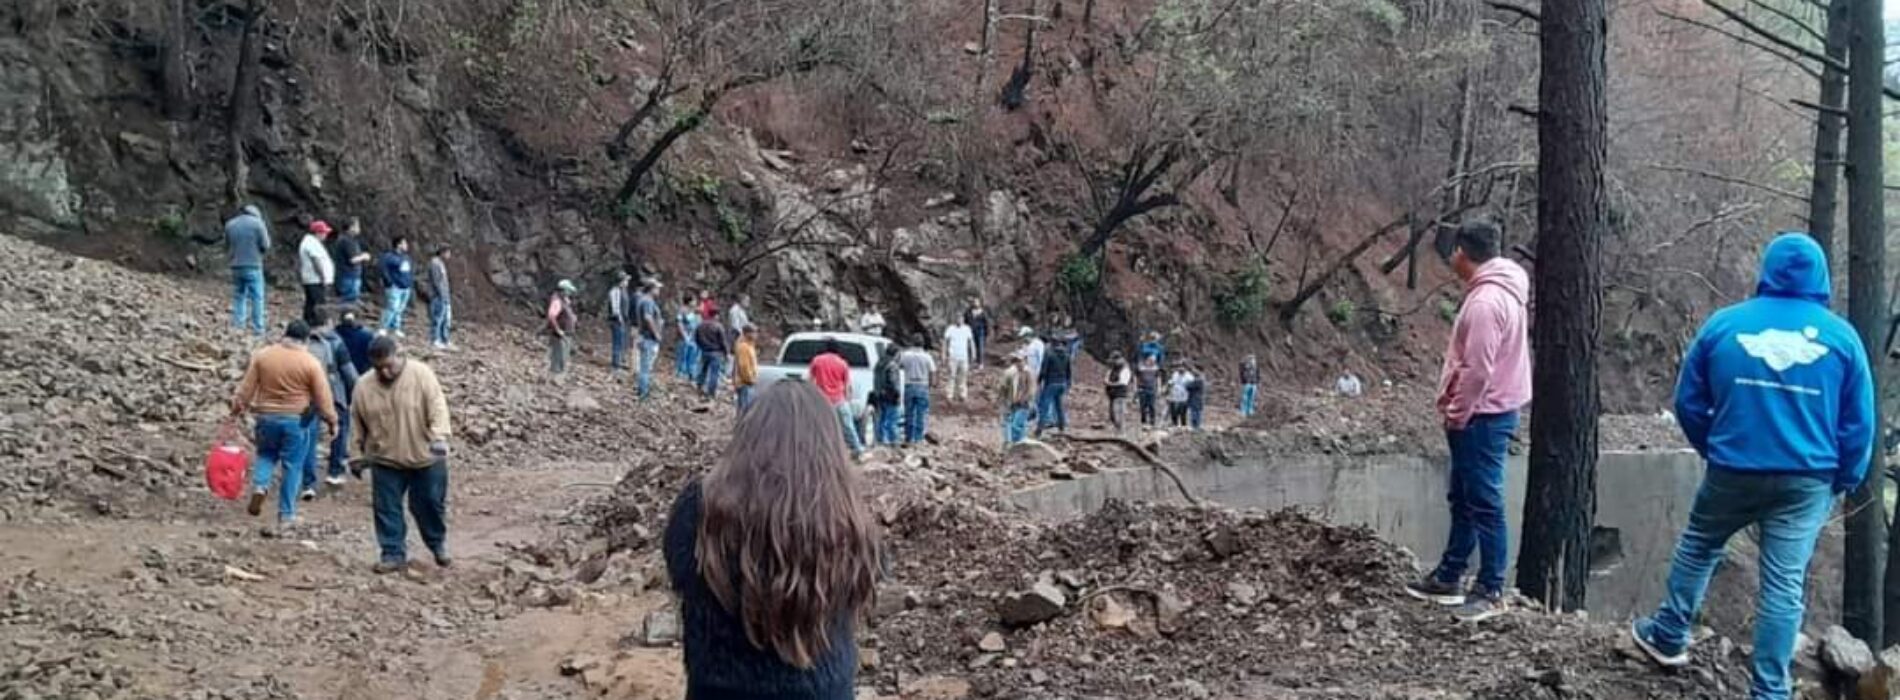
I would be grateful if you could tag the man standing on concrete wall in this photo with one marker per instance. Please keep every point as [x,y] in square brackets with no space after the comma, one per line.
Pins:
[1486,380]
[1777,397]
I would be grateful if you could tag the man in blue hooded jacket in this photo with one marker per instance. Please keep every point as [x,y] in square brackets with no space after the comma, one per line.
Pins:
[1776,396]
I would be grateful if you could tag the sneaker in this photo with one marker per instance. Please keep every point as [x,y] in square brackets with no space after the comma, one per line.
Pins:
[442,559]
[1641,632]
[256,506]
[1479,607]
[389,566]
[1431,589]
[334,480]
[308,495]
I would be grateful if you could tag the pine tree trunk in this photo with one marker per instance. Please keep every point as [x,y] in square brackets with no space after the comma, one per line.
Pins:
[243,110]
[1560,500]
[175,62]
[1867,308]
[1826,187]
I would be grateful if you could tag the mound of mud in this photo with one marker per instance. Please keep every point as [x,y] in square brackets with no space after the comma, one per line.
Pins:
[1152,601]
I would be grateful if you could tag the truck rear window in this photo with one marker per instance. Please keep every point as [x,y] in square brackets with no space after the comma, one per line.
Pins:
[801,352]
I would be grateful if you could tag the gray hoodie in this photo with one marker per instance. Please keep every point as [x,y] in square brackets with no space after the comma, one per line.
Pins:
[248,238]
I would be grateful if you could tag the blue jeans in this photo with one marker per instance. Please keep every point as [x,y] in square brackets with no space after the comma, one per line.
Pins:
[742,397]
[1049,408]
[849,425]
[1196,405]
[1247,394]
[888,416]
[427,492]
[916,412]
[1015,424]
[349,287]
[1790,510]
[247,298]
[280,441]
[312,444]
[395,304]
[340,445]
[712,366]
[649,351]
[686,358]
[1476,494]
[441,314]
[618,359]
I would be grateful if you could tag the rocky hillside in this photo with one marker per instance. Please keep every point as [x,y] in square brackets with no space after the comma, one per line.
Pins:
[906,156]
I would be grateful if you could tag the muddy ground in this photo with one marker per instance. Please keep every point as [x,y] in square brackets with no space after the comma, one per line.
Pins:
[124,578]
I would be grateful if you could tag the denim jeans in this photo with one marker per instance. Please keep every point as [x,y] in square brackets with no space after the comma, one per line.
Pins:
[1790,510]
[649,351]
[742,398]
[247,298]
[340,445]
[1146,399]
[1247,394]
[849,425]
[395,304]
[982,338]
[1196,404]
[618,360]
[889,415]
[1050,410]
[441,314]
[1476,495]
[1015,424]
[558,348]
[687,359]
[712,366]
[427,493]
[312,446]
[1116,406]
[916,412]
[280,442]
[349,287]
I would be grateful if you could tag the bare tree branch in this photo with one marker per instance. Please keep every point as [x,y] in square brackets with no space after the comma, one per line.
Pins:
[1516,9]
[1798,22]
[1773,38]
[1792,59]
[1730,179]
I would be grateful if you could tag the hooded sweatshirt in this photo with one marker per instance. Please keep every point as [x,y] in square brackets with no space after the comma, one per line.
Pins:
[1778,384]
[314,265]
[248,238]
[1488,362]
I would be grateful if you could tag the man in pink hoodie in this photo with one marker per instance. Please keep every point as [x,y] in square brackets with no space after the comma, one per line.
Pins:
[1485,381]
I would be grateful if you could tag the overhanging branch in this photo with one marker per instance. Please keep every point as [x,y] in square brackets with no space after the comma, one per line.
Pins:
[1516,9]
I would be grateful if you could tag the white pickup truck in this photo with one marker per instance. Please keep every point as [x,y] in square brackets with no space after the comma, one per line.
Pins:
[861,352]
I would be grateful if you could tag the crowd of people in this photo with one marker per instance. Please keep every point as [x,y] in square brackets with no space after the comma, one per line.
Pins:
[1775,394]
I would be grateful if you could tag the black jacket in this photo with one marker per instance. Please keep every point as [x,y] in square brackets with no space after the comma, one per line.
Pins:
[721,664]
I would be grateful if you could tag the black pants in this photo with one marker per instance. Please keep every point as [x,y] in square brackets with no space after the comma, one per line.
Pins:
[312,303]
[1177,413]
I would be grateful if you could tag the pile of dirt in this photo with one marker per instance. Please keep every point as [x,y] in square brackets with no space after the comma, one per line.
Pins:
[1151,601]
[113,380]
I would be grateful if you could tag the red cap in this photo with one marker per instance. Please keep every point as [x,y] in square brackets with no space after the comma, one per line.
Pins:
[320,228]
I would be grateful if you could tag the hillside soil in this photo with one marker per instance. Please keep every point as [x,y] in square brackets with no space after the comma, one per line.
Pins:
[124,578]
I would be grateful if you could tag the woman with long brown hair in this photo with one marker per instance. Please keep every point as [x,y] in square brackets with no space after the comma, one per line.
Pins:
[773,557]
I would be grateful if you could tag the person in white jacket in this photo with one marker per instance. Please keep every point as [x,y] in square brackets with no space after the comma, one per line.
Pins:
[315,268]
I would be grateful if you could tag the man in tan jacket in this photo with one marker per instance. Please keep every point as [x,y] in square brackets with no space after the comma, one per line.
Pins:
[399,424]
[283,388]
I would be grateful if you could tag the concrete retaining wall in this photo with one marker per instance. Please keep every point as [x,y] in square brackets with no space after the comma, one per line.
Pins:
[1645,495]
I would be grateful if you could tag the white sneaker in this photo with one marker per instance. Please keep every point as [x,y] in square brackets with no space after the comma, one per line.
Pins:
[440,346]
[333,480]
[308,495]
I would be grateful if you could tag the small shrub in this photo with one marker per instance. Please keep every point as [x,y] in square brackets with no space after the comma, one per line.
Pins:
[1342,312]
[733,224]
[169,226]
[1080,275]
[1242,298]
[1448,310]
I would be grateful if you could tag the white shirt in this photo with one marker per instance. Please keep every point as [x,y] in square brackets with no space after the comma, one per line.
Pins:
[739,319]
[1032,357]
[313,261]
[1348,385]
[1178,387]
[617,304]
[1120,376]
[959,343]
